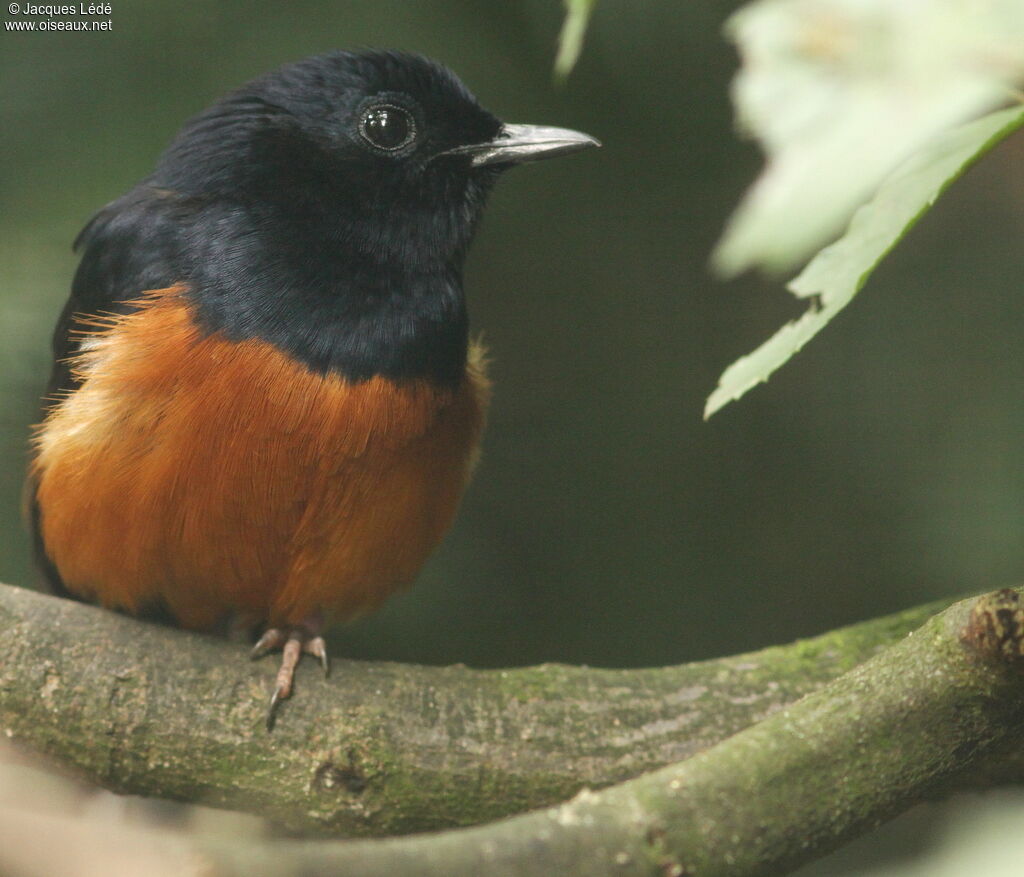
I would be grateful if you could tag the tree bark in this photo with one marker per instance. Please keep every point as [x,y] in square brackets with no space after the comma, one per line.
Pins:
[936,712]
[377,748]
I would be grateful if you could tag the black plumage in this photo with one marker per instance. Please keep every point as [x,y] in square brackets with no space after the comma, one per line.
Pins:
[287,225]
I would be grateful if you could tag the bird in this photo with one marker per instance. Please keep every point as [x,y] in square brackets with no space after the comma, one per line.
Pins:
[265,402]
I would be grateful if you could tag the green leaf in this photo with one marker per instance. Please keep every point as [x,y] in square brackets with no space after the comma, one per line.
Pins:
[570,40]
[839,271]
[839,93]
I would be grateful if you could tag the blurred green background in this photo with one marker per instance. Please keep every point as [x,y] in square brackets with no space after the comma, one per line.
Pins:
[607,524]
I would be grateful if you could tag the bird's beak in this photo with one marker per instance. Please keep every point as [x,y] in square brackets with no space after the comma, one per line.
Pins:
[518,143]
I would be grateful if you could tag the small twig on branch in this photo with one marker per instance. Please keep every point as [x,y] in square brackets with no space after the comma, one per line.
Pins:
[377,748]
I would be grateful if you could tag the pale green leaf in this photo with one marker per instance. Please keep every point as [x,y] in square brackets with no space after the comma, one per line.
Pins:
[839,92]
[570,40]
[838,272]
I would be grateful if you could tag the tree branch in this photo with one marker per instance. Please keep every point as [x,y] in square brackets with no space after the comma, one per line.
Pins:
[377,748]
[939,711]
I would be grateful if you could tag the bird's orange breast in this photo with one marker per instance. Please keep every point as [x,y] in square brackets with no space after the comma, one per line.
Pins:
[219,476]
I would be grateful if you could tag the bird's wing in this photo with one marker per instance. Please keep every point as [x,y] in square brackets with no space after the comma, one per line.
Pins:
[132,245]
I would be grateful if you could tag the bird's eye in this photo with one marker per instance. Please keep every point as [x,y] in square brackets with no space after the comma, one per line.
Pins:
[387,127]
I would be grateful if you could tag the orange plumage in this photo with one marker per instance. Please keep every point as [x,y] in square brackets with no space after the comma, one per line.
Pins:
[217,476]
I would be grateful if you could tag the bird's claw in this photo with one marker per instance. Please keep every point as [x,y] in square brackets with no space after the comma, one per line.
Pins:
[293,642]
[318,649]
[273,638]
[275,700]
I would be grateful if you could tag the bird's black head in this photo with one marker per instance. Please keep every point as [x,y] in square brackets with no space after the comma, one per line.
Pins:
[349,141]
[335,200]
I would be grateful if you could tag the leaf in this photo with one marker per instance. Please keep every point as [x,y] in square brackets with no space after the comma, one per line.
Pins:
[570,40]
[839,92]
[839,271]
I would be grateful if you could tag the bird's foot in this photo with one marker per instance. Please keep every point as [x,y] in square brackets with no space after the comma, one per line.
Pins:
[293,642]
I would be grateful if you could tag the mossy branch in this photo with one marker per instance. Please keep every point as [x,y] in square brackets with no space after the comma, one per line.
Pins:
[376,748]
[145,709]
